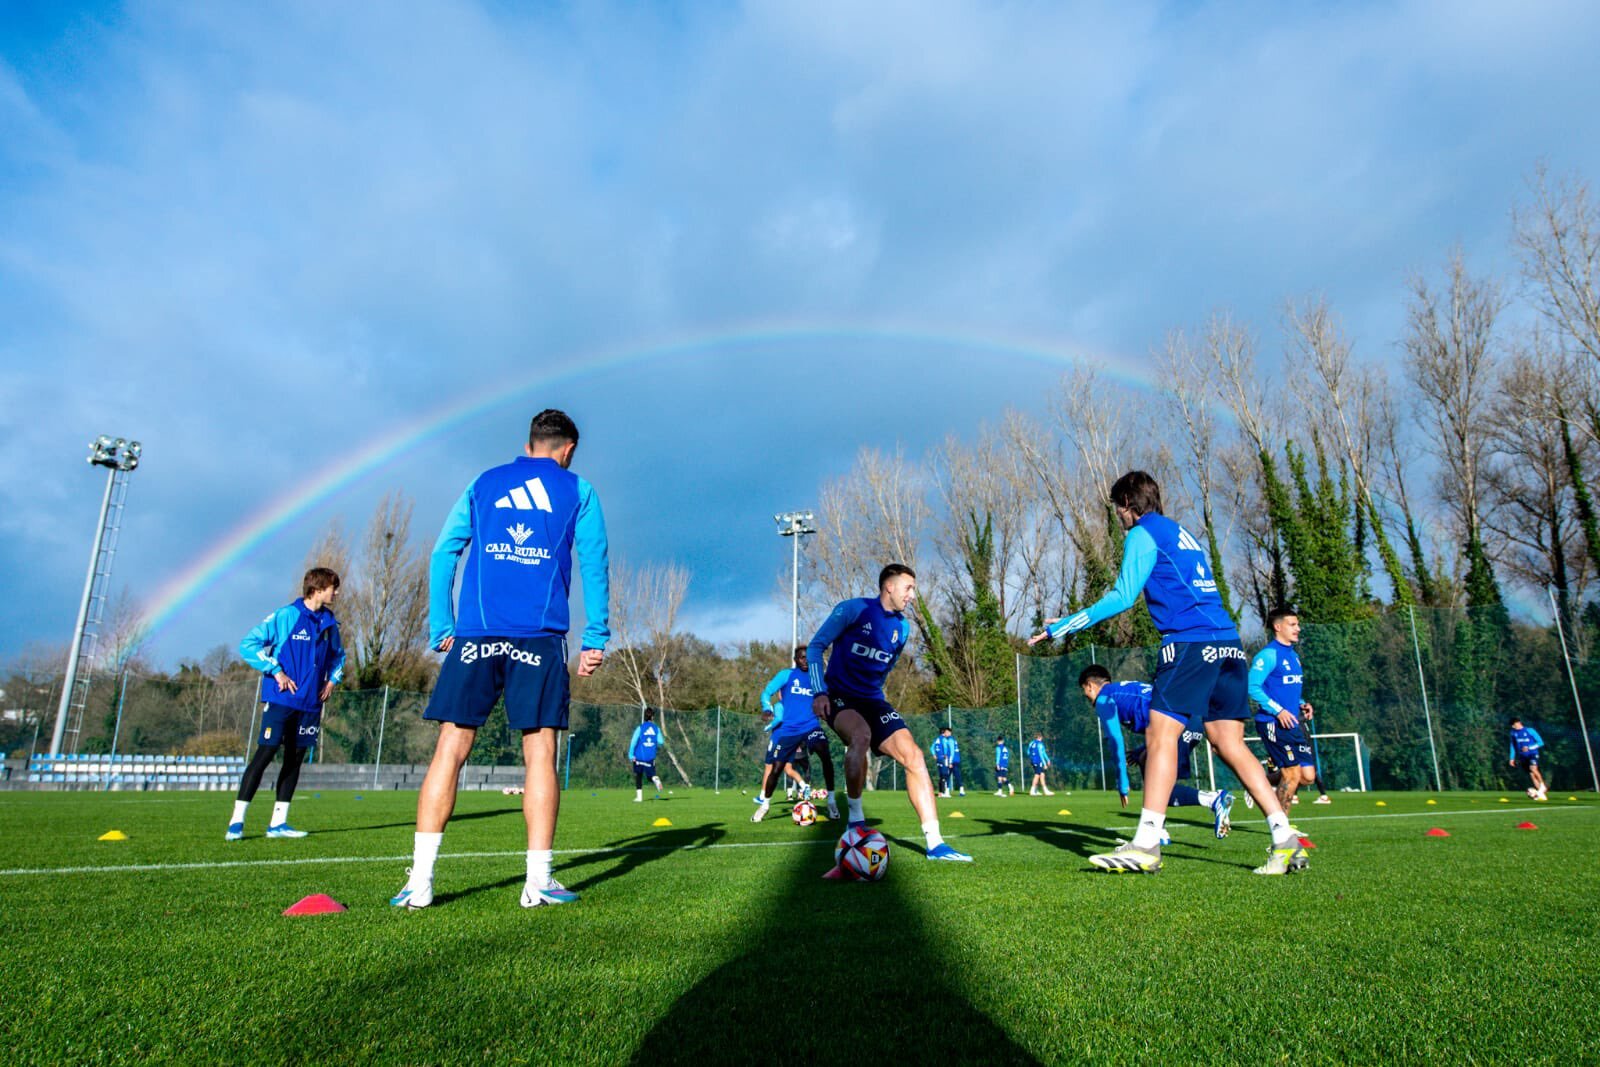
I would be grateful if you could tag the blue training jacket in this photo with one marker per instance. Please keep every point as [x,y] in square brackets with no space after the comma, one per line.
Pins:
[794,714]
[644,742]
[1163,561]
[522,521]
[1276,681]
[1002,757]
[303,644]
[1525,742]
[866,642]
[1119,706]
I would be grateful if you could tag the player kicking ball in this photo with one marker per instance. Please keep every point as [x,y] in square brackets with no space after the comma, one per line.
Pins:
[1525,746]
[866,637]
[521,522]
[792,687]
[1126,705]
[1202,672]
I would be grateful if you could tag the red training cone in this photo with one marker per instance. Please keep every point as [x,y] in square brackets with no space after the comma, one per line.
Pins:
[1526,826]
[1436,832]
[315,904]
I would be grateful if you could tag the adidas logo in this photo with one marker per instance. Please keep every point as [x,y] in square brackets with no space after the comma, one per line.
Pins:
[867,628]
[301,635]
[529,496]
[519,533]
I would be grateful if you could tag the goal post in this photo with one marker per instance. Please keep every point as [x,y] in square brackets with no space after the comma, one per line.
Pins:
[1342,759]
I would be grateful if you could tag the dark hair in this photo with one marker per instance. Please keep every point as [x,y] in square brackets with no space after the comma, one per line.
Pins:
[1093,673]
[1282,611]
[945,730]
[999,737]
[550,426]
[649,713]
[1515,723]
[1138,492]
[798,649]
[318,579]
[893,570]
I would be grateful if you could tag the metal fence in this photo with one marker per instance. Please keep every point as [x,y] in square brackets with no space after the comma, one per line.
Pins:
[1430,695]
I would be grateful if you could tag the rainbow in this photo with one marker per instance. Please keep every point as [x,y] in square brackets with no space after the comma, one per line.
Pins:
[186,586]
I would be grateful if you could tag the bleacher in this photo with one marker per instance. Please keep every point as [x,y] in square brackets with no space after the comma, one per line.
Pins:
[92,771]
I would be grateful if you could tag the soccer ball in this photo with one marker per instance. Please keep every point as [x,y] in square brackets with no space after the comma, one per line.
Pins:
[862,854]
[1533,793]
[804,813]
[819,794]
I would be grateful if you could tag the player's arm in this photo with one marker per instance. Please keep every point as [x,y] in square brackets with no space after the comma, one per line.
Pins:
[1106,711]
[454,538]
[843,614]
[335,666]
[594,567]
[633,742]
[1538,742]
[1260,669]
[1138,563]
[771,690]
[260,645]
[1511,759]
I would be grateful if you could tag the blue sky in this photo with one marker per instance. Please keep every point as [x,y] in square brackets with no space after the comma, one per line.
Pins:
[256,236]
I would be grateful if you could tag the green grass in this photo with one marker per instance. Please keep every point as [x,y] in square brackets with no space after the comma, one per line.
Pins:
[1394,947]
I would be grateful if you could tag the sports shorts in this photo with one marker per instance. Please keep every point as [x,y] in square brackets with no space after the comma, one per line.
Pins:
[302,727]
[646,769]
[881,717]
[1204,680]
[1287,746]
[530,672]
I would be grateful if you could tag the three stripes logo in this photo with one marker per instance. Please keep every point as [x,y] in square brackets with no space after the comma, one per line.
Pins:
[529,496]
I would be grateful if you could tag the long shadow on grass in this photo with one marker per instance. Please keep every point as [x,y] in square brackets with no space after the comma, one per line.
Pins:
[639,850]
[885,990]
[1085,840]
[458,817]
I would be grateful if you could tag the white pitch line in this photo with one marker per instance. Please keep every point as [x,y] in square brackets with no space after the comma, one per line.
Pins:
[224,864]
[1407,815]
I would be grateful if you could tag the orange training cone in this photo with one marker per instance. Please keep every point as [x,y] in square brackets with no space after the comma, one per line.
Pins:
[1526,826]
[315,904]
[1436,832]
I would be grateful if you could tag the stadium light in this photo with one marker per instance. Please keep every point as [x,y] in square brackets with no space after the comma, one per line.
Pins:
[120,457]
[795,524]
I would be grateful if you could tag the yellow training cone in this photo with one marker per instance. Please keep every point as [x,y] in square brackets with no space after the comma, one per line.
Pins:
[112,835]
[1572,798]
[1383,803]
[662,822]
[1503,800]
[1063,811]
[1432,801]
[956,815]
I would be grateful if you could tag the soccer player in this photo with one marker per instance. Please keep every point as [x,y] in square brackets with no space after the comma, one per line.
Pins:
[521,521]
[1202,671]
[642,751]
[1525,746]
[867,636]
[1038,763]
[769,761]
[1002,768]
[1275,682]
[792,687]
[1127,704]
[947,758]
[298,651]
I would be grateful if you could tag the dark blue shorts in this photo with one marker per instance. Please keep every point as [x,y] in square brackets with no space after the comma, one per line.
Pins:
[1036,768]
[881,717]
[1002,773]
[531,672]
[1193,734]
[817,740]
[1528,760]
[1287,747]
[772,751]
[787,748]
[1204,681]
[646,769]
[301,727]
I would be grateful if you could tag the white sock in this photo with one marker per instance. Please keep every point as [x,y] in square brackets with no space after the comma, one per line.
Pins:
[1149,833]
[638,794]
[657,783]
[238,810]
[1279,825]
[1208,797]
[424,852]
[930,831]
[280,813]
[855,809]
[539,861]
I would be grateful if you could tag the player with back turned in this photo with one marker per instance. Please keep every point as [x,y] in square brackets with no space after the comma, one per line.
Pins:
[518,525]
[642,747]
[1202,672]
[866,636]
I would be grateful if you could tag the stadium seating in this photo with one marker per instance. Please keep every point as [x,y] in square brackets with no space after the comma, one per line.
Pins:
[97,771]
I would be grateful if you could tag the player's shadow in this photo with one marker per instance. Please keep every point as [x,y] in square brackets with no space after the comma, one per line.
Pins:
[884,992]
[455,820]
[634,852]
[1078,838]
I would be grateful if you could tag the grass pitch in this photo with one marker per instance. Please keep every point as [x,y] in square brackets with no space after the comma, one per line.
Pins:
[715,941]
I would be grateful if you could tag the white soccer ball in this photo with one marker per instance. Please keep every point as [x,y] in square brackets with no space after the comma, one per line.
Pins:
[804,813]
[862,854]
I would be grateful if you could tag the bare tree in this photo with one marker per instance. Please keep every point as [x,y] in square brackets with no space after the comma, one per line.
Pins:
[123,634]
[1450,362]
[1181,369]
[1559,241]
[644,623]
[386,608]
[329,550]
[876,514]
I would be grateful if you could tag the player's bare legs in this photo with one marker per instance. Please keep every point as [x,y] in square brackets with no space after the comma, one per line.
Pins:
[1538,779]
[1227,737]
[1161,761]
[437,798]
[919,786]
[541,800]
[857,737]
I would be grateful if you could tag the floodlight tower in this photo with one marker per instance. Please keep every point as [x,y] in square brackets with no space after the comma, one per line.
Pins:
[120,457]
[795,524]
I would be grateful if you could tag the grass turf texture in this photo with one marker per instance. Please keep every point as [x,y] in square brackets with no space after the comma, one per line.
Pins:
[1394,947]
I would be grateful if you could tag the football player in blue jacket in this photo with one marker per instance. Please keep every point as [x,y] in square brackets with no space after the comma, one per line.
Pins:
[642,746]
[518,525]
[301,658]
[1525,746]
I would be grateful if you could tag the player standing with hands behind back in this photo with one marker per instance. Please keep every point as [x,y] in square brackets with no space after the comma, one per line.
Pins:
[521,521]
